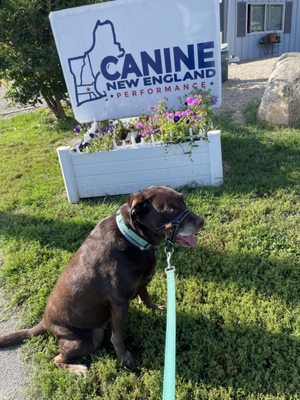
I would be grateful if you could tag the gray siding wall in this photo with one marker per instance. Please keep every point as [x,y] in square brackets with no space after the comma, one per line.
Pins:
[247,47]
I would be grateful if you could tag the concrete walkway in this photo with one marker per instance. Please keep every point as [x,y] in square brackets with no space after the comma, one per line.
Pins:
[13,377]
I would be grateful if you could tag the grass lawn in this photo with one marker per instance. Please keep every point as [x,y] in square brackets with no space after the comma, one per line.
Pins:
[238,291]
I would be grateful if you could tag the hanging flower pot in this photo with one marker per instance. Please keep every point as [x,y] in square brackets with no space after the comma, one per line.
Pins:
[272,37]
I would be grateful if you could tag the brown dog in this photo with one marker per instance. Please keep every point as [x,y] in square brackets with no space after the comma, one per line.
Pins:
[114,265]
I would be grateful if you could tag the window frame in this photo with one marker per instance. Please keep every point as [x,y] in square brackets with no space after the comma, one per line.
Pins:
[265,18]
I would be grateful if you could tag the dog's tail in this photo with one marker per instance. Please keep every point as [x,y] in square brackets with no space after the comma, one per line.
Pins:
[20,336]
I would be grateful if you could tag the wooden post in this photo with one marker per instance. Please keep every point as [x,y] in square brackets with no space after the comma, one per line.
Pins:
[64,155]
[215,157]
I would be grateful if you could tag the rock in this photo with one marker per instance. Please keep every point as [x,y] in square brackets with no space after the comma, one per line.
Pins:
[280,103]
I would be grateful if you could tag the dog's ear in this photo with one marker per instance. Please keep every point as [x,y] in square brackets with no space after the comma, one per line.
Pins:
[138,204]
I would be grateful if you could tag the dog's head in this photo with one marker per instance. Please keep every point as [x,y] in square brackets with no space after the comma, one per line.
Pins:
[158,210]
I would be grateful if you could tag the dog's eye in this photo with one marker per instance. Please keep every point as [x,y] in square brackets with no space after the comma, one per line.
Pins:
[166,208]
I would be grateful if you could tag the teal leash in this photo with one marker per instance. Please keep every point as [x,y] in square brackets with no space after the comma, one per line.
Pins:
[170,346]
[169,383]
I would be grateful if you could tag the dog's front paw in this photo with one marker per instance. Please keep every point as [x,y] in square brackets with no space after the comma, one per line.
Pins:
[154,306]
[127,359]
[159,307]
[151,305]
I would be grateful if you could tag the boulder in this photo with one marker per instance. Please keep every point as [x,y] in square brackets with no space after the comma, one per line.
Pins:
[280,103]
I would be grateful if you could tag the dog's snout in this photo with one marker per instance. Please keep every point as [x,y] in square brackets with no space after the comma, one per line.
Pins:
[193,223]
[196,221]
[200,222]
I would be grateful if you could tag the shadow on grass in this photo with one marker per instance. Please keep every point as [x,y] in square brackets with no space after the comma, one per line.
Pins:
[249,271]
[242,358]
[257,273]
[65,235]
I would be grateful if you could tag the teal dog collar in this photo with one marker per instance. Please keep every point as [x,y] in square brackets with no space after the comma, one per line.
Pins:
[131,235]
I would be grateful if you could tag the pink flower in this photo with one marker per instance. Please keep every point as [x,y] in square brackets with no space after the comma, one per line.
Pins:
[195,102]
[139,125]
[147,132]
[189,100]
[186,113]
[170,115]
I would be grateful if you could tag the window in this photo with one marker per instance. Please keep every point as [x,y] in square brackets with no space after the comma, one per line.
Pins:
[256,18]
[274,17]
[264,17]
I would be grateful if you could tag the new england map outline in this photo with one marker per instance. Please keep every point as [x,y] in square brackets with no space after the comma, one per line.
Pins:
[89,83]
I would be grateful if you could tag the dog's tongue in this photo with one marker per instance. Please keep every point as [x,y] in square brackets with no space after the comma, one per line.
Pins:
[186,241]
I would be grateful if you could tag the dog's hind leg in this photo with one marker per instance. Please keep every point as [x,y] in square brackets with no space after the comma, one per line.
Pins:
[75,346]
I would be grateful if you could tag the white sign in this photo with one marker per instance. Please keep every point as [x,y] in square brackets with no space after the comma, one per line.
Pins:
[121,56]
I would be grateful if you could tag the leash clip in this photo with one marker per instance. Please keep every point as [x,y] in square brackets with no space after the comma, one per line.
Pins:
[169,253]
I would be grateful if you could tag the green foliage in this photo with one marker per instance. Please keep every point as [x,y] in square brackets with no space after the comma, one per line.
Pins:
[103,136]
[100,143]
[28,56]
[238,292]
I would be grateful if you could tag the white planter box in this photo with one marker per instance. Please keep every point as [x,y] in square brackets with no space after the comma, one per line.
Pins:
[127,170]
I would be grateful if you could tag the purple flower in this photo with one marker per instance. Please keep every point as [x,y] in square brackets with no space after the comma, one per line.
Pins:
[176,118]
[77,129]
[92,135]
[104,131]
[213,100]
[139,125]
[170,115]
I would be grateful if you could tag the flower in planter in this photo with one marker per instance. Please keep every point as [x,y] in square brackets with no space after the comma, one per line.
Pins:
[175,126]
[105,135]
[77,129]
[191,120]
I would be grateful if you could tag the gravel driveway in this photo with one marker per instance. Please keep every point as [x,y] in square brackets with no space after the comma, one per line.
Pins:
[246,85]
[6,108]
